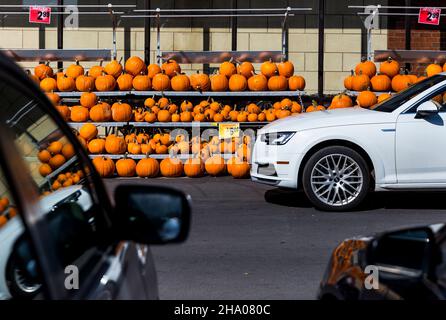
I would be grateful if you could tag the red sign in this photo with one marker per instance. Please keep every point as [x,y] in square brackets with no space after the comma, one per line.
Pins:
[40,14]
[429,16]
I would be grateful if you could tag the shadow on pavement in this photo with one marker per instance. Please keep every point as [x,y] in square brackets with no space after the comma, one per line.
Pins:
[376,200]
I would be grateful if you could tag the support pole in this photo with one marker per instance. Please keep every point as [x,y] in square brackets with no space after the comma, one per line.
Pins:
[320,71]
[285,34]
[113,19]
[60,31]
[234,27]
[147,34]
[158,36]
[408,28]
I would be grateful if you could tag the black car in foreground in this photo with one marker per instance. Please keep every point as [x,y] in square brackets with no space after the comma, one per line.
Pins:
[61,236]
[404,264]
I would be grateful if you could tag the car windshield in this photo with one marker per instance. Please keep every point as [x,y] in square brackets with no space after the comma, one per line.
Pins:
[391,104]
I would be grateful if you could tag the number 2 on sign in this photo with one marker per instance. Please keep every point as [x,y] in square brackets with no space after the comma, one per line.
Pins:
[40,15]
[429,16]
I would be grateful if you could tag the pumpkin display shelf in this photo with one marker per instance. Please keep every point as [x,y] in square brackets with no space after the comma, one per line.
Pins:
[182,157]
[77,125]
[59,170]
[186,94]
[377,93]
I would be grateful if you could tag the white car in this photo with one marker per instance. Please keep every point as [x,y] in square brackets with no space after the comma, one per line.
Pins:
[338,156]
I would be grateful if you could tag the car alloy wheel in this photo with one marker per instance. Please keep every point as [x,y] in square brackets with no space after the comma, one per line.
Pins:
[336,178]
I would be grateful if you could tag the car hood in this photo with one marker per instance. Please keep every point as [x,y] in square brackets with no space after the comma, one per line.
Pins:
[328,118]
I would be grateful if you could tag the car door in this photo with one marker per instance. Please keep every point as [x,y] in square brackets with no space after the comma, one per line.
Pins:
[59,243]
[420,145]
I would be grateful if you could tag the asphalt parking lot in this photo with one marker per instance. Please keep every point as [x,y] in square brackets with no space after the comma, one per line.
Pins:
[251,241]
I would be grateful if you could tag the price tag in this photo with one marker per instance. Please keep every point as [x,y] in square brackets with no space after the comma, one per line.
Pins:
[429,16]
[228,130]
[39,14]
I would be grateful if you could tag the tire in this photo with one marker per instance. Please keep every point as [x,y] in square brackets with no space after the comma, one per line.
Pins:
[20,286]
[336,178]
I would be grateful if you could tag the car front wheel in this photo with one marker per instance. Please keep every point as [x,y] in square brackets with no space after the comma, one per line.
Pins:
[336,178]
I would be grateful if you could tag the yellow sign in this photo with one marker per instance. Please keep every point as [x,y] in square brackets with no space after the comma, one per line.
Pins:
[228,130]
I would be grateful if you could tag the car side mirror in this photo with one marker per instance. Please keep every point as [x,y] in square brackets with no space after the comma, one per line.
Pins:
[427,108]
[406,253]
[151,214]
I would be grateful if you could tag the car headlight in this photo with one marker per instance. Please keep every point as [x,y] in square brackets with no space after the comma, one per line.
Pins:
[277,138]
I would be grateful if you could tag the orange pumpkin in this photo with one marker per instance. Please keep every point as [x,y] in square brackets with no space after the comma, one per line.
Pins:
[142,83]
[53,97]
[84,83]
[88,131]
[43,71]
[285,68]
[44,156]
[105,83]
[227,69]
[341,101]
[296,83]
[277,83]
[200,82]
[45,169]
[121,112]
[366,99]
[360,82]
[96,146]
[64,111]
[171,68]
[147,168]
[246,69]
[68,151]
[135,66]
[104,166]
[433,69]
[48,84]
[315,107]
[126,167]
[194,167]
[171,167]
[56,161]
[219,83]
[115,144]
[125,82]
[101,112]
[258,82]
[237,168]
[75,70]
[237,82]
[365,67]
[268,69]
[96,71]
[152,70]
[381,82]
[348,81]
[390,68]
[180,82]
[215,165]
[113,68]
[79,114]
[65,83]
[401,82]
[88,99]
[161,82]
[383,97]
[55,147]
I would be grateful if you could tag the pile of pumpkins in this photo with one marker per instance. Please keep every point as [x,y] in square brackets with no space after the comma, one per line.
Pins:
[54,156]
[390,77]
[135,75]
[7,211]
[65,179]
[172,167]
[164,110]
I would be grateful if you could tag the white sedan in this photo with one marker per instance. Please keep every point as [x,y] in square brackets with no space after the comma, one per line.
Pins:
[338,156]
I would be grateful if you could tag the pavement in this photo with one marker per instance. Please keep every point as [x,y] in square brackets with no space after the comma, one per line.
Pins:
[251,241]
